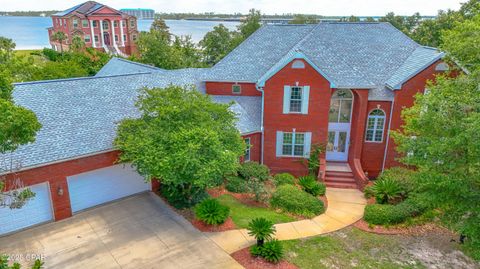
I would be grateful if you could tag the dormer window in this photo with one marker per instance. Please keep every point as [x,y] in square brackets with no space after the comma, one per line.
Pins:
[236,89]
[298,64]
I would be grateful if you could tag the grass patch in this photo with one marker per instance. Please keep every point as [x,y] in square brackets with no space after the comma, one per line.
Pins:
[242,214]
[39,60]
[350,248]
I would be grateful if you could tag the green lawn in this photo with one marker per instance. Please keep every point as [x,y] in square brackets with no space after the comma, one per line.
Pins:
[37,59]
[350,248]
[242,214]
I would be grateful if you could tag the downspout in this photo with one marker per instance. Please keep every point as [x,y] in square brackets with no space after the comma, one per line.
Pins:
[260,89]
[388,135]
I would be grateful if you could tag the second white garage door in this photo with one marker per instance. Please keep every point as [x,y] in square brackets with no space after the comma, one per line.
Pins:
[104,185]
[35,211]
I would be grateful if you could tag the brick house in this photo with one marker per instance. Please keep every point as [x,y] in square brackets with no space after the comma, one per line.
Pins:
[100,26]
[341,85]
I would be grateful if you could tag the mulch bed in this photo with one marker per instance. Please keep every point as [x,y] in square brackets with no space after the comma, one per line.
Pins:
[413,230]
[227,225]
[248,261]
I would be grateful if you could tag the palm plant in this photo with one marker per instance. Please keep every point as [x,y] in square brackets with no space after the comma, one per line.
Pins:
[60,37]
[262,229]
[387,191]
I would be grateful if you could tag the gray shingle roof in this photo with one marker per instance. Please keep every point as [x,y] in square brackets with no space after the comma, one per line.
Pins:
[119,66]
[79,116]
[352,55]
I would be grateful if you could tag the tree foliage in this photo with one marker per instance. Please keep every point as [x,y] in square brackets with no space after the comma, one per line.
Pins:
[216,44]
[462,43]
[251,23]
[157,47]
[441,138]
[303,19]
[182,138]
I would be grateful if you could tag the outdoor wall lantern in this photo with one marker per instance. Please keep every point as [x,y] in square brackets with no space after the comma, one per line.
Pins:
[60,191]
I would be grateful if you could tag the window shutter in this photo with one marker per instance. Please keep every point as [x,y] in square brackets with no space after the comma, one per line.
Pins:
[279,143]
[305,94]
[286,99]
[307,144]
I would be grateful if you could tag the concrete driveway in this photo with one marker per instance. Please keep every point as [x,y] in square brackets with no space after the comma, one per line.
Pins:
[137,232]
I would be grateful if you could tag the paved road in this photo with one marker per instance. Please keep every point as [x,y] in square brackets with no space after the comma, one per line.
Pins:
[138,232]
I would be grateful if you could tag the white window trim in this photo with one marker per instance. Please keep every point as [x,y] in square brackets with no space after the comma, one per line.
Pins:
[375,126]
[307,141]
[239,86]
[249,145]
[287,95]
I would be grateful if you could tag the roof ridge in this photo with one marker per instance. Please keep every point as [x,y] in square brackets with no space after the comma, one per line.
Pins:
[75,79]
[140,64]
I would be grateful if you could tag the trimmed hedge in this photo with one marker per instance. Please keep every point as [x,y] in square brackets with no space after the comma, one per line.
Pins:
[385,214]
[249,170]
[283,178]
[236,184]
[291,199]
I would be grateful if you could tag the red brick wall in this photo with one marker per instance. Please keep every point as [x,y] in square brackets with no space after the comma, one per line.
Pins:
[316,121]
[256,146]
[373,152]
[225,88]
[56,175]
[405,98]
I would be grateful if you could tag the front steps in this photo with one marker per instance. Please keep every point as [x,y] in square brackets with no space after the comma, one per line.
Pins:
[339,175]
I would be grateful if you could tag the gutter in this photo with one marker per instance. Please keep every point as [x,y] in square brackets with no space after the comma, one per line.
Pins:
[260,89]
[388,135]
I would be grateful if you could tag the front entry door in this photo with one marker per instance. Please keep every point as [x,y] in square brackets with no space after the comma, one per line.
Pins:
[337,146]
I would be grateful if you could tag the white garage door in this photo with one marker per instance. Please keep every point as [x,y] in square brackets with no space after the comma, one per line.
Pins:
[104,185]
[35,211]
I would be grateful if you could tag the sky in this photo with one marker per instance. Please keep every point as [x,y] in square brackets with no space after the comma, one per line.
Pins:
[321,7]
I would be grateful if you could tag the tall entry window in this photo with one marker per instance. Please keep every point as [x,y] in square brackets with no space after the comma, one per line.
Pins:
[340,106]
[375,126]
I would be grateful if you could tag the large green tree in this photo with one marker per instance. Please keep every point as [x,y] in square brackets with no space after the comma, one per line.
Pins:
[441,138]
[216,44]
[18,126]
[462,43]
[183,139]
[251,23]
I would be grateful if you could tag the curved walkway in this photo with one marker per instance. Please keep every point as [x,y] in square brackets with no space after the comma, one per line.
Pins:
[345,207]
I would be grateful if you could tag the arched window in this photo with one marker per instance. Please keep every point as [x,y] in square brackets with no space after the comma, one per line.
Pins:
[297,64]
[375,126]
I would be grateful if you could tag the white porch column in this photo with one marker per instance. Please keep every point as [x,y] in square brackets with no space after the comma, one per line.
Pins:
[92,38]
[121,33]
[113,34]
[101,33]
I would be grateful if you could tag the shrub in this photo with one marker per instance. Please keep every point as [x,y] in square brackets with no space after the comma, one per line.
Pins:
[262,229]
[183,196]
[271,251]
[387,190]
[291,199]
[211,212]
[385,214]
[249,170]
[236,184]
[401,175]
[311,185]
[258,188]
[283,178]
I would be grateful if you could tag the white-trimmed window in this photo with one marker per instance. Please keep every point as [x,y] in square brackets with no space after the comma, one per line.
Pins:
[87,38]
[246,157]
[293,144]
[132,23]
[375,126]
[123,23]
[295,99]
[84,23]
[236,89]
[96,38]
[115,24]
[116,38]
[94,23]
[105,25]
[75,23]
[124,38]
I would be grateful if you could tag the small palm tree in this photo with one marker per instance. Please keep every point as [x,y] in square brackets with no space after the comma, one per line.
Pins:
[60,37]
[262,229]
[77,43]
